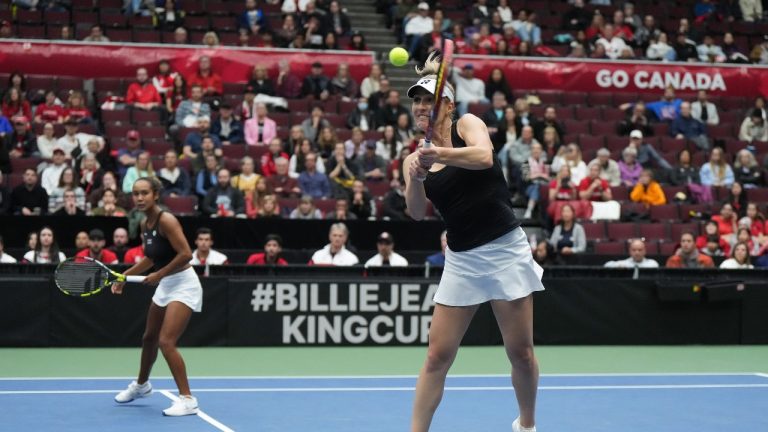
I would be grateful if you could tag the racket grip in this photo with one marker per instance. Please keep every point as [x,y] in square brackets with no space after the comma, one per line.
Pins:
[135,279]
[427,143]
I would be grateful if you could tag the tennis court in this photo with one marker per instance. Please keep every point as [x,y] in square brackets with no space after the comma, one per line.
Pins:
[368,389]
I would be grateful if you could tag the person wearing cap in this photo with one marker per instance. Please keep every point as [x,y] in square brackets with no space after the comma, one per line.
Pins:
[288,85]
[126,156]
[190,110]
[386,257]
[488,257]
[609,169]
[227,127]
[208,80]
[468,88]
[685,49]
[374,167]
[647,155]
[316,84]
[96,248]
[52,173]
[142,94]
[417,25]
[74,142]
[273,248]
[21,143]
[335,253]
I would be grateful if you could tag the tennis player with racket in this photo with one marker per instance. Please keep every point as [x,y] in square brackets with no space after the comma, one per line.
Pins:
[488,257]
[178,294]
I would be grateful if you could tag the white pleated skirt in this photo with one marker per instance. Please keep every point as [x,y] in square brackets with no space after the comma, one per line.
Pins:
[183,287]
[502,269]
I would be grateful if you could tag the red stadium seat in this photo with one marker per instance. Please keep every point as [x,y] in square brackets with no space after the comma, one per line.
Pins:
[653,232]
[181,205]
[601,99]
[595,231]
[688,212]
[142,117]
[574,98]
[69,83]
[116,117]
[585,113]
[31,31]
[611,248]
[19,165]
[620,193]
[664,213]
[378,188]
[613,114]
[602,128]
[235,151]
[158,149]
[622,231]
[576,126]
[759,195]
[676,230]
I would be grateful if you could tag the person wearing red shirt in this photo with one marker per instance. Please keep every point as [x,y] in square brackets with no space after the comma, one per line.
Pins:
[273,247]
[164,79]
[142,94]
[96,249]
[134,255]
[48,111]
[711,230]
[726,220]
[268,159]
[206,78]
[76,109]
[562,188]
[15,105]
[593,188]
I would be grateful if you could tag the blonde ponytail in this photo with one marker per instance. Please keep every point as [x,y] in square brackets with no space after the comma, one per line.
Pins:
[431,65]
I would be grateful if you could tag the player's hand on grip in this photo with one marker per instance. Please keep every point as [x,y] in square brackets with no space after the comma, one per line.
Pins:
[427,156]
[152,279]
[416,171]
[117,288]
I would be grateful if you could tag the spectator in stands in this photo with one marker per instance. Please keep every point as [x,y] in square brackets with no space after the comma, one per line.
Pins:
[576,18]
[392,110]
[204,254]
[378,98]
[394,207]
[568,237]
[74,142]
[684,173]
[538,175]
[208,80]
[119,243]
[647,32]
[737,198]
[180,36]
[687,256]
[108,181]
[509,130]
[417,25]
[31,242]
[668,108]
[629,168]
[297,163]
[709,52]
[386,256]
[306,210]
[288,84]
[164,79]
[389,146]
[273,248]
[468,88]
[255,201]
[704,111]
[134,255]
[712,247]
[270,208]
[716,172]
[67,182]
[727,222]
[636,119]
[193,144]
[96,250]
[571,155]
[636,258]
[281,183]
[326,142]
[362,116]
[759,53]
[754,127]
[190,111]
[247,179]
[176,181]
[260,129]
[362,205]
[562,187]
[515,155]
[287,32]
[69,205]
[252,19]
[526,27]
[357,42]
[751,10]
[355,145]
[5,196]
[497,82]
[312,126]
[76,110]
[207,177]
[758,226]
[109,206]
[4,257]
[335,253]
[404,130]
[732,51]
[126,157]
[374,167]
[81,240]
[21,143]
[614,45]
[316,84]
[46,249]
[594,188]
[174,96]
[6,29]
[312,182]
[14,105]
[51,175]
[549,120]
[659,48]
[260,81]
[49,110]
[268,166]
[648,191]
[96,35]
[609,169]
[684,126]
[341,211]
[336,20]
[438,259]
[92,164]
[142,94]
[747,171]
[371,83]
[685,49]
[227,127]
[712,232]
[223,200]
[740,258]
[647,155]
[142,168]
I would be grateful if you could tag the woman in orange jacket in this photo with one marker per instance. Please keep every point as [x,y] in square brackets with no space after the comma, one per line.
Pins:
[648,191]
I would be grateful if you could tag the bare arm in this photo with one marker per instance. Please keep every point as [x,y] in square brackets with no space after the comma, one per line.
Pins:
[171,227]
[478,154]
[415,195]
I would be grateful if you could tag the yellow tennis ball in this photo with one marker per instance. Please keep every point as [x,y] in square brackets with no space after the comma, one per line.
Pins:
[398,56]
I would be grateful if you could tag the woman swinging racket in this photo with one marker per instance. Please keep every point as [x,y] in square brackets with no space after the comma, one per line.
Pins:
[488,257]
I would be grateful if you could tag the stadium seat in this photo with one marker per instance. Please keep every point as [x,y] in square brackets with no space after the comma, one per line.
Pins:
[378,188]
[611,248]
[28,17]
[622,231]
[142,117]
[576,126]
[574,98]
[601,99]
[651,247]
[595,231]
[586,113]
[688,211]
[620,193]
[31,31]
[653,231]
[664,213]
[19,165]
[116,117]
[759,195]
[677,229]
[181,205]
[69,83]
[614,115]
[602,128]
[158,148]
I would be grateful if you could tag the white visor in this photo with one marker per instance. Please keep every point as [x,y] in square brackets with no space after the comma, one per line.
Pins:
[428,84]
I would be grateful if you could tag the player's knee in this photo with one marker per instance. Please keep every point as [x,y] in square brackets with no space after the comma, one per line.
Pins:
[150,338]
[439,359]
[521,356]
[167,343]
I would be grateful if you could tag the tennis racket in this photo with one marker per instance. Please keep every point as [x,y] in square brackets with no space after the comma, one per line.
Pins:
[85,276]
[442,75]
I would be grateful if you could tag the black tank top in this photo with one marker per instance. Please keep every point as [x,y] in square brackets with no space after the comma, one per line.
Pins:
[156,246]
[475,204]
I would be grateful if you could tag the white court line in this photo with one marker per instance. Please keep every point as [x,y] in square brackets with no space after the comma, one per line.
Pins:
[400,389]
[208,419]
[761,374]
[354,377]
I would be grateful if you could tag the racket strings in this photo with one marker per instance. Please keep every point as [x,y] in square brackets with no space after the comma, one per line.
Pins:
[80,277]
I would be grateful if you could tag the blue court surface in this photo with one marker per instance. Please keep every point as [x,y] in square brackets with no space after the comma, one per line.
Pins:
[566,403]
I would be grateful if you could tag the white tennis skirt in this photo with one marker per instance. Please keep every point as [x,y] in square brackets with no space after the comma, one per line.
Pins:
[502,269]
[183,287]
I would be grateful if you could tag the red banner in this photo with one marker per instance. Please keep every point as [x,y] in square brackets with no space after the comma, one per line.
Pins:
[642,77]
[121,60]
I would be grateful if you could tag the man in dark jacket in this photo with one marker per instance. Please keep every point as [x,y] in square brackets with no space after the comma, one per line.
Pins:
[223,200]
[227,127]
[29,198]
[21,142]
[362,116]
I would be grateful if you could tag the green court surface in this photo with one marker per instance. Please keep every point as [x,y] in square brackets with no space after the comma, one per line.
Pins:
[314,361]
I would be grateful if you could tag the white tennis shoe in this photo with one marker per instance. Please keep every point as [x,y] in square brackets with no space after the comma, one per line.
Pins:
[517,428]
[185,405]
[134,391]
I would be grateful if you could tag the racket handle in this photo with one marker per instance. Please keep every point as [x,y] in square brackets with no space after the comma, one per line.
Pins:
[427,143]
[135,279]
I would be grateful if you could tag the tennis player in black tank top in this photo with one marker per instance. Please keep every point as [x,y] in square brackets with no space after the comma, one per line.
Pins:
[167,254]
[462,177]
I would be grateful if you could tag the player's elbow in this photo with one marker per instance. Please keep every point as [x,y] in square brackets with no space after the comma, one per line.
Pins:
[486,161]
[187,257]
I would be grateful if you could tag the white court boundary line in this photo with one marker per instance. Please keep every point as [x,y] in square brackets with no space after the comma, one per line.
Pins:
[167,392]
[208,419]
[354,377]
